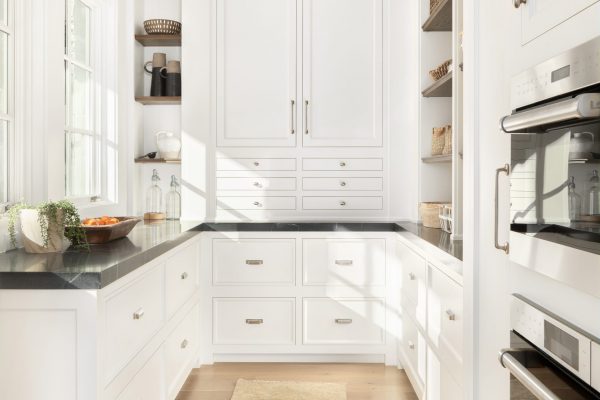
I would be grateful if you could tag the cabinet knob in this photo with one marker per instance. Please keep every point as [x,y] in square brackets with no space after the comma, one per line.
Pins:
[451,315]
[256,163]
[411,345]
[342,183]
[184,276]
[343,321]
[254,321]
[257,184]
[138,314]
[412,276]
[184,344]
[257,204]
[518,3]
[342,203]
[342,163]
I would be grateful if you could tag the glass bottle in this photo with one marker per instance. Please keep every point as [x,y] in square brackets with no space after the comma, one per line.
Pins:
[154,195]
[574,201]
[173,200]
[594,194]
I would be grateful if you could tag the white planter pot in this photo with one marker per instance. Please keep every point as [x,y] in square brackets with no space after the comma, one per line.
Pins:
[32,234]
[168,145]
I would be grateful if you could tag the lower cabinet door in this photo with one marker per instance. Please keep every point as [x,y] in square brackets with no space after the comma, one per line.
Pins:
[148,384]
[344,321]
[441,385]
[180,348]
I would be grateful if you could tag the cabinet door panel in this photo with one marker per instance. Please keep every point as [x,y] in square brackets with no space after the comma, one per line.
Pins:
[342,74]
[256,73]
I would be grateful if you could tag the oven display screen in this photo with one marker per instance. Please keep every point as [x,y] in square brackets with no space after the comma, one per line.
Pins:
[561,344]
[561,73]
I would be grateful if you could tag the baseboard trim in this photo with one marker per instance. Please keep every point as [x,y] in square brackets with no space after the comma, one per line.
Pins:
[301,358]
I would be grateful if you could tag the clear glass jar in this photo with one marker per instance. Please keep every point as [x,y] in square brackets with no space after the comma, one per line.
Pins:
[594,194]
[154,195]
[173,200]
[574,201]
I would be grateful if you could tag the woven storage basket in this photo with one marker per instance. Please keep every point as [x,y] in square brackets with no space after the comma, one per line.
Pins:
[162,27]
[448,140]
[438,141]
[441,70]
[430,214]
[433,5]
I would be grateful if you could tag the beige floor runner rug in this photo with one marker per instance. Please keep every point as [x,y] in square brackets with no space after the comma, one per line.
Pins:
[266,390]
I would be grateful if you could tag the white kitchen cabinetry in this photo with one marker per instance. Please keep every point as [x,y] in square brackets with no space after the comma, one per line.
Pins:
[256,82]
[343,73]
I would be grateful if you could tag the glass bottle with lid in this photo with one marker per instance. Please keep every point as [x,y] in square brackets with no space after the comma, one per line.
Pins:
[154,195]
[594,194]
[173,200]
[574,201]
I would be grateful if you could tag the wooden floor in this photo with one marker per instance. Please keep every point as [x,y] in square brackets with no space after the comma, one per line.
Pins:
[364,381]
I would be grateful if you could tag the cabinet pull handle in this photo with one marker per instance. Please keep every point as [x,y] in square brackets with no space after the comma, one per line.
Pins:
[518,3]
[504,247]
[184,344]
[257,204]
[306,130]
[344,262]
[343,321]
[293,119]
[451,315]
[254,321]
[254,262]
[342,163]
[342,203]
[256,163]
[412,276]
[257,184]
[411,345]
[342,183]
[184,276]
[138,314]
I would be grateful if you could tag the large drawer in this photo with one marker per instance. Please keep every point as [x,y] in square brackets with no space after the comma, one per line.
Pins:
[343,262]
[342,164]
[148,384]
[133,316]
[342,203]
[257,203]
[180,348]
[256,184]
[345,184]
[441,385]
[254,261]
[344,321]
[254,321]
[413,283]
[181,277]
[414,348]
[256,164]
[445,320]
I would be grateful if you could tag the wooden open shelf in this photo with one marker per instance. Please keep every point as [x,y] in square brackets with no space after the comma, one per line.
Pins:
[440,88]
[158,100]
[440,19]
[159,40]
[143,160]
[446,158]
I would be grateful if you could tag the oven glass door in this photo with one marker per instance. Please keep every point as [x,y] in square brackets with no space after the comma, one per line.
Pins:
[562,383]
[555,185]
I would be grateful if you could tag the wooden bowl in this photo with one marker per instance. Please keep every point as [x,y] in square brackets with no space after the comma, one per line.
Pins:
[162,27]
[107,233]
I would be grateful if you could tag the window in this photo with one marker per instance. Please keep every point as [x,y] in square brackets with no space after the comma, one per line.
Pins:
[6,102]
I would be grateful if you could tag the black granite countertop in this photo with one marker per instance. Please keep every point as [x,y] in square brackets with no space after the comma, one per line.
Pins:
[104,264]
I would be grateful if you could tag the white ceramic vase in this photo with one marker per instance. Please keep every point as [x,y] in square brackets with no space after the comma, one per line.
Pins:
[169,145]
[33,241]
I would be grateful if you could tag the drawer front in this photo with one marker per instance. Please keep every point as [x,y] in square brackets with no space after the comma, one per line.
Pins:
[132,318]
[445,320]
[254,321]
[257,203]
[414,347]
[342,184]
[342,164]
[180,348]
[342,262]
[343,321]
[254,261]
[181,278]
[413,282]
[342,203]
[148,384]
[256,164]
[441,385]
[256,184]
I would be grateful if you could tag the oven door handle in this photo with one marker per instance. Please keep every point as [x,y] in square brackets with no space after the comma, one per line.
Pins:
[582,107]
[533,384]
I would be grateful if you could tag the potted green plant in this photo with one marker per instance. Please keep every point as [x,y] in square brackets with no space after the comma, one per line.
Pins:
[45,226]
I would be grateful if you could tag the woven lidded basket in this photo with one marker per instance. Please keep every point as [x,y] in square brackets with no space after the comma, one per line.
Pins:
[162,27]
[430,214]
[440,71]
[448,140]
[438,141]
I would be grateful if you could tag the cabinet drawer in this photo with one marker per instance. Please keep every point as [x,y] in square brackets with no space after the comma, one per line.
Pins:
[343,321]
[440,383]
[413,284]
[342,203]
[253,321]
[256,184]
[414,348]
[181,278]
[347,184]
[132,317]
[254,261]
[180,348]
[256,164]
[342,262]
[148,384]
[342,164]
[258,203]
[445,320]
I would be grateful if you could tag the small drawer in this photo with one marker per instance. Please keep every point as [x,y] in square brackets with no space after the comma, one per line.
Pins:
[342,262]
[342,203]
[414,348]
[258,203]
[342,184]
[254,261]
[132,317]
[342,164]
[256,184]
[148,383]
[254,321]
[256,164]
[445,320]
[413,283]
[180,348]
[181,278]
[344,321]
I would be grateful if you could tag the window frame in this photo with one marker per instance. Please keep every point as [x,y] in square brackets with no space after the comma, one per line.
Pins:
[10,163]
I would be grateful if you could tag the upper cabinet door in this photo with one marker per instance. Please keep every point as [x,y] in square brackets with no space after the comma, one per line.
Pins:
[540,16]
[343,73]
[256,73]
